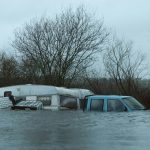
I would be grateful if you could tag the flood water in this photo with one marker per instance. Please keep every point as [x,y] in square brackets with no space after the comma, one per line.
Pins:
[74,130]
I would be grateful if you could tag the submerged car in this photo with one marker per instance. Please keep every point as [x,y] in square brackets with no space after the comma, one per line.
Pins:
[108,103]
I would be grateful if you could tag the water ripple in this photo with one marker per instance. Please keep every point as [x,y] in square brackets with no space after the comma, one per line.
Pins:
[67,130]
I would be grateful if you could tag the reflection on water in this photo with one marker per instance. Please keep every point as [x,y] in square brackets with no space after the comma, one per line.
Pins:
[74,130]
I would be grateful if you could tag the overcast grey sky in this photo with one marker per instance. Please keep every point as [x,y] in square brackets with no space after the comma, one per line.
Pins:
[128,18]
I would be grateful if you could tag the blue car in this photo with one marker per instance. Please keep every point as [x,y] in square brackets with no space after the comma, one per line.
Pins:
[109,103]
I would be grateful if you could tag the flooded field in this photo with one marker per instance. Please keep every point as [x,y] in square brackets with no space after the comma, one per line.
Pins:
[74,130]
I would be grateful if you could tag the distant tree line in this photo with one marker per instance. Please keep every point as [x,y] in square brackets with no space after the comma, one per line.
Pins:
[61,52]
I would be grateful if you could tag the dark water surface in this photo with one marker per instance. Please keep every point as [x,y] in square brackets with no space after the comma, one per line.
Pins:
[74,130]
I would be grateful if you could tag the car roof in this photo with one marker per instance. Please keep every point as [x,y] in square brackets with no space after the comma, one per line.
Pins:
[108,96]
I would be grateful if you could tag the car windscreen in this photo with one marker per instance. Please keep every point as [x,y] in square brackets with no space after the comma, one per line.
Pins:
[132,103]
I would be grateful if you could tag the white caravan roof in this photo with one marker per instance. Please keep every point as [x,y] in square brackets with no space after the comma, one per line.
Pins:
[31,90]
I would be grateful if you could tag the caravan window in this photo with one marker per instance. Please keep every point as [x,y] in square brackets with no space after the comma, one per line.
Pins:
[68,102]
[7,93]
[46,100]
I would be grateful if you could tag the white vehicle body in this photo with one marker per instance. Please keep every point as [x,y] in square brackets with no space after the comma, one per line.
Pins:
[52,97]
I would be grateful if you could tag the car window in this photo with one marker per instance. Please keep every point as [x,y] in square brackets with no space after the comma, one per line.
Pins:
[97,104]
[132,103]
[68,102]
[115,105]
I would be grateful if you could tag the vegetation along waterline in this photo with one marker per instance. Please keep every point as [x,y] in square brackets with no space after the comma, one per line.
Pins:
[63,51]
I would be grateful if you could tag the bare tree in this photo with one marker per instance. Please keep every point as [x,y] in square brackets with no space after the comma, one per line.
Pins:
[28,73]
[124,66]
[8,69]
[99,82]
[63,48]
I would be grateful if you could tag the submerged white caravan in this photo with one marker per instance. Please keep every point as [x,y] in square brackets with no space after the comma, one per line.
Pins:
[52,97]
